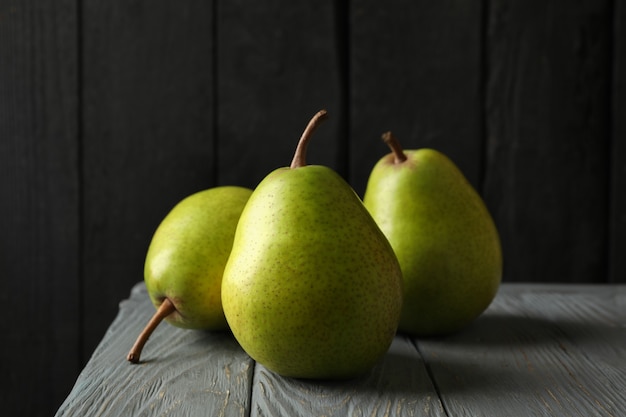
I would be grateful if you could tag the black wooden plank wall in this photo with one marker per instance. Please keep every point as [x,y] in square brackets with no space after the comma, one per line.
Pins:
[112,111]
[548,157]
[147,136]
[40,205]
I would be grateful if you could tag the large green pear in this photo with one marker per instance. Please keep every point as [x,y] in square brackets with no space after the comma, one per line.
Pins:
[443,235]
[186,258]
[312,288]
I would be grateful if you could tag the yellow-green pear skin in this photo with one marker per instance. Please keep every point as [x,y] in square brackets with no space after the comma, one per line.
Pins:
[312,288]
[443,235]
[187,255]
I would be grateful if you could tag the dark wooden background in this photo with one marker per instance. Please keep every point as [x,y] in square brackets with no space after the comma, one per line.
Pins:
[112,111]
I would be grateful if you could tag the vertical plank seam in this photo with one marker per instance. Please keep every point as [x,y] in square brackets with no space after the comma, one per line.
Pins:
[215,93]
[342,27]
[484,81]
[80,169]
[251,385]
[612,215]
[431,376]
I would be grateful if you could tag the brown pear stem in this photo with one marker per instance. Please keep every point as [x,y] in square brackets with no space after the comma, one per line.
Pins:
[396,148]
[299,158]
[165,309]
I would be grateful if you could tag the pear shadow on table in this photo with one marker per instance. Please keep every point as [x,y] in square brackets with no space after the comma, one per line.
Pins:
[190,343]
[476,360]
[505,351]
[397,372]
[216,339]
[510,330]
[482,362]
[147,361]
[457,377]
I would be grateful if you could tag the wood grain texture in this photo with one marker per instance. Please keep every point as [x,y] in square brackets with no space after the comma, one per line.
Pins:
[112,111]
[617,242]
[39,221]
[277,65]
[415,69]
[545,350]
[546,178]
[148,135]
[398,386]
[538,350]
[182,372]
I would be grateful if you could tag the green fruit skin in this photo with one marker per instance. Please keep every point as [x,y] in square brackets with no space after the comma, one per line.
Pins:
[444,237]
[312,288]
[187,255]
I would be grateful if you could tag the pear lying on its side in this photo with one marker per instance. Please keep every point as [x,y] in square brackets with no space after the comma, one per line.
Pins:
[312,288]
[186,259]
[443,235]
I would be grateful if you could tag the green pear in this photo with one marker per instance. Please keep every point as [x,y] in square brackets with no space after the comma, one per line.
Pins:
[443,235]
[312,288]
[186,259]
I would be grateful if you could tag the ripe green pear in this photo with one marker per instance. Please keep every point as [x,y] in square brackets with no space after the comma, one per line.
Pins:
[443,235]
[186,259]
[312,288]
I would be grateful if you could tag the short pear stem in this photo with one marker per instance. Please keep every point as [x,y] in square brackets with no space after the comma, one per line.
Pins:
[396,148]
[165,309]
[299,158]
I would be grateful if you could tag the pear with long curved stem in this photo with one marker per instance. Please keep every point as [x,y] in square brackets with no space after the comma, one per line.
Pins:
[185,262]
[312,288]
[442,233]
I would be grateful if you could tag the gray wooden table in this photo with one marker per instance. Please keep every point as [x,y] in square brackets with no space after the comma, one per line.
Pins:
[539,350]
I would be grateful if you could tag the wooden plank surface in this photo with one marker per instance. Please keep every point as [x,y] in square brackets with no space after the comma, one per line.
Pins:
[548,96]
[539,350]
[112,111]
[277,65]
[398,386]
[416,69]
[182,372]
[148,135]
[550,350]
[39,206]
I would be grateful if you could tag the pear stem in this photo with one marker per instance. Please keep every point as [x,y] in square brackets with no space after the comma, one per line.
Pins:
[299,158]
[396,148]
[165,309]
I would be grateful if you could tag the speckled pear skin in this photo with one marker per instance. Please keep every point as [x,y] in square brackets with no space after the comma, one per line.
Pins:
[444,237]
[187,255]
[312,288]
